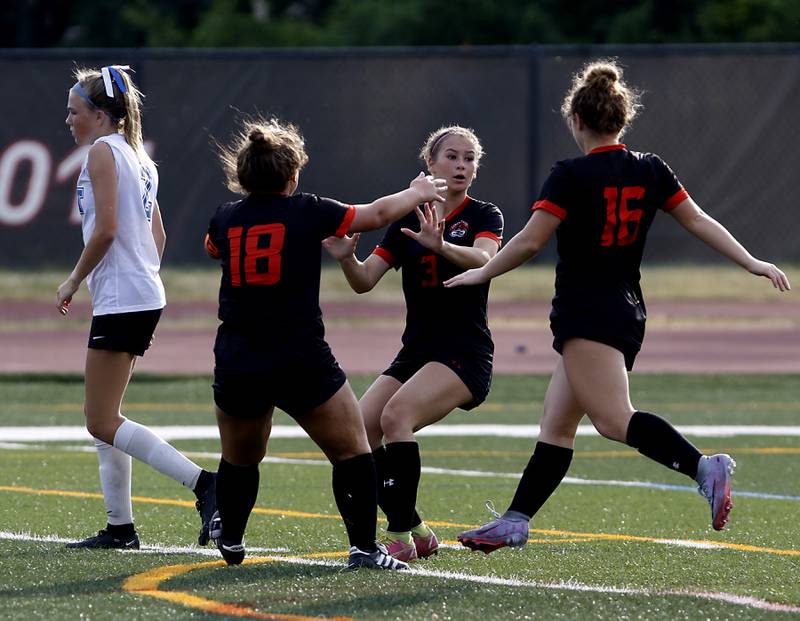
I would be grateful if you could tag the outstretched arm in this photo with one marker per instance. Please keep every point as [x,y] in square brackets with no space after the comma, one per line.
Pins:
[362,276]
[523,246]
[716,236]
[387,209]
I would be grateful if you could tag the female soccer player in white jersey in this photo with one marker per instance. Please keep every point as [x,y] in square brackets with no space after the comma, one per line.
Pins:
[124,239]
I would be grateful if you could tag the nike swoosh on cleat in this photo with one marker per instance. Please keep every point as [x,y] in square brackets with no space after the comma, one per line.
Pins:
[94,338]
[128,544]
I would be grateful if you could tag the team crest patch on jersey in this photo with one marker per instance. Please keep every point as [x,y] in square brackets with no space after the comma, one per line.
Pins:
[458,229]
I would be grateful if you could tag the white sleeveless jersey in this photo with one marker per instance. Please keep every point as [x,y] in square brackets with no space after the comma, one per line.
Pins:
[126,279]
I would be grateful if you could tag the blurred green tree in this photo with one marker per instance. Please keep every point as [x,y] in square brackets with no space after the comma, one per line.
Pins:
[301,23]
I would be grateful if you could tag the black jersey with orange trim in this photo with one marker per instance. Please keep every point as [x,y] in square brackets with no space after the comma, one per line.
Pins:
[269,247]
[435,314]
[607,201]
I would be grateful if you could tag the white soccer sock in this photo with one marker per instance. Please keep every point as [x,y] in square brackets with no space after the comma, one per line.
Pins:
[115,481]
[138,441]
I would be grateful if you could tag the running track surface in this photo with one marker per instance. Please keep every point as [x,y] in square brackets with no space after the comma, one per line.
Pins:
[683,337]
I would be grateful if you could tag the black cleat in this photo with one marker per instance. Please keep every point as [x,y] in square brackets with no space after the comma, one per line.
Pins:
[232,552]
[377,559]
[206,506]
[104,540]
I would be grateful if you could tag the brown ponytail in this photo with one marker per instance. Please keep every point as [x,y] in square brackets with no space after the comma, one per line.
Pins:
[262,157]
[600,97]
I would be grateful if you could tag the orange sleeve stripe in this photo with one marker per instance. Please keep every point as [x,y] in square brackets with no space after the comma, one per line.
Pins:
[211,249]
[491,236]
[346,221]
[385,255]
[676,199]
[554,209]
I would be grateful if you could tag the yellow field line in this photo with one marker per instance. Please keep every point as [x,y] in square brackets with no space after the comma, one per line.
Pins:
[302,514]
[773,450]
[148,583]
[516,406]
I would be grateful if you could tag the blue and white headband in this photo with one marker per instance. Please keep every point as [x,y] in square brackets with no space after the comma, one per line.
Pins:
[112,71]
[108,73]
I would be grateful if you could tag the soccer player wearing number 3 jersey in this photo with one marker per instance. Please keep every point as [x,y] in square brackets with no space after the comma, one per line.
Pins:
[601,206]
[446,359]
[270,349]
[124,240]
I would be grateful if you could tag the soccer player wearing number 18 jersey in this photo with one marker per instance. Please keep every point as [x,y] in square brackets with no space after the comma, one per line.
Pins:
[270,349]
[601,206]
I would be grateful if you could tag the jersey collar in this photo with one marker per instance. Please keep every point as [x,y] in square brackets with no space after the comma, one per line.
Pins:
[455,211]
[608,147]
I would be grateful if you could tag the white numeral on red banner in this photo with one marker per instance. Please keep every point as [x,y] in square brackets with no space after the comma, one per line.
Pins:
[38,157]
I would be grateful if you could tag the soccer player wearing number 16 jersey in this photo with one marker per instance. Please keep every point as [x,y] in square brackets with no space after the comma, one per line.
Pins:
[270,348]
[601,206]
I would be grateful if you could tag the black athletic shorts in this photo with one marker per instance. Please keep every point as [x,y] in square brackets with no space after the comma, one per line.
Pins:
[253,374]
[128,332]
[614,316]
[473,368]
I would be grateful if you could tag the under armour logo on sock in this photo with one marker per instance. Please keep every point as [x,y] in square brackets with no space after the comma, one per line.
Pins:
[388,482]
[676,465]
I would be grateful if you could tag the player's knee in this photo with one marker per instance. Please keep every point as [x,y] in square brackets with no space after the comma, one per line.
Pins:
[101,429]
[244,456]
[558,434]
[609,427]
[395,419]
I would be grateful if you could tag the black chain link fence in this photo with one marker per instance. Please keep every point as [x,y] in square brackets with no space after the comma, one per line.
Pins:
[721,116]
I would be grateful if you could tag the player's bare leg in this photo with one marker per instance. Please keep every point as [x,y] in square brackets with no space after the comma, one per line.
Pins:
[338,429]
[244,444]
[542,475]
[427,397]
[598,376]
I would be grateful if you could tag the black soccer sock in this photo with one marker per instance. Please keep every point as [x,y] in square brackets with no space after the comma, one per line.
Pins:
[237,490]
[121,530]
[203,481]
[381,469]
[546,468]
[355,492]
[399,485]
[655,438]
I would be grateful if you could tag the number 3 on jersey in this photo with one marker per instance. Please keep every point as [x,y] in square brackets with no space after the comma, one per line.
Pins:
[622,223]
[254,249]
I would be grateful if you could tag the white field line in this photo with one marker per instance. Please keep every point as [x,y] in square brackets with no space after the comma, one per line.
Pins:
[209,432]
[570,585]
[145,549]
[445,471]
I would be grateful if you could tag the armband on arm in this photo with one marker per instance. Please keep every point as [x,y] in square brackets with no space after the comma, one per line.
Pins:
[211,249]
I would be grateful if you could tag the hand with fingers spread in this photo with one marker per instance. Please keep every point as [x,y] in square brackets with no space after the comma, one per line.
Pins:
[64,295]
[771,271]
[341,248]
[429,188]
[431,229]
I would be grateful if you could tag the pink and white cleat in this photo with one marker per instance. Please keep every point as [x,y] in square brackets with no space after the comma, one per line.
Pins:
[426,546]
[714,478]
[401,550]
[509,529]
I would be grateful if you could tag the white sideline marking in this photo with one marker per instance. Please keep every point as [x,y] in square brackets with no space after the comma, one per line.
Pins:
[571,585]
[431,470]
[208,432]
[145,549]
[682,543]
